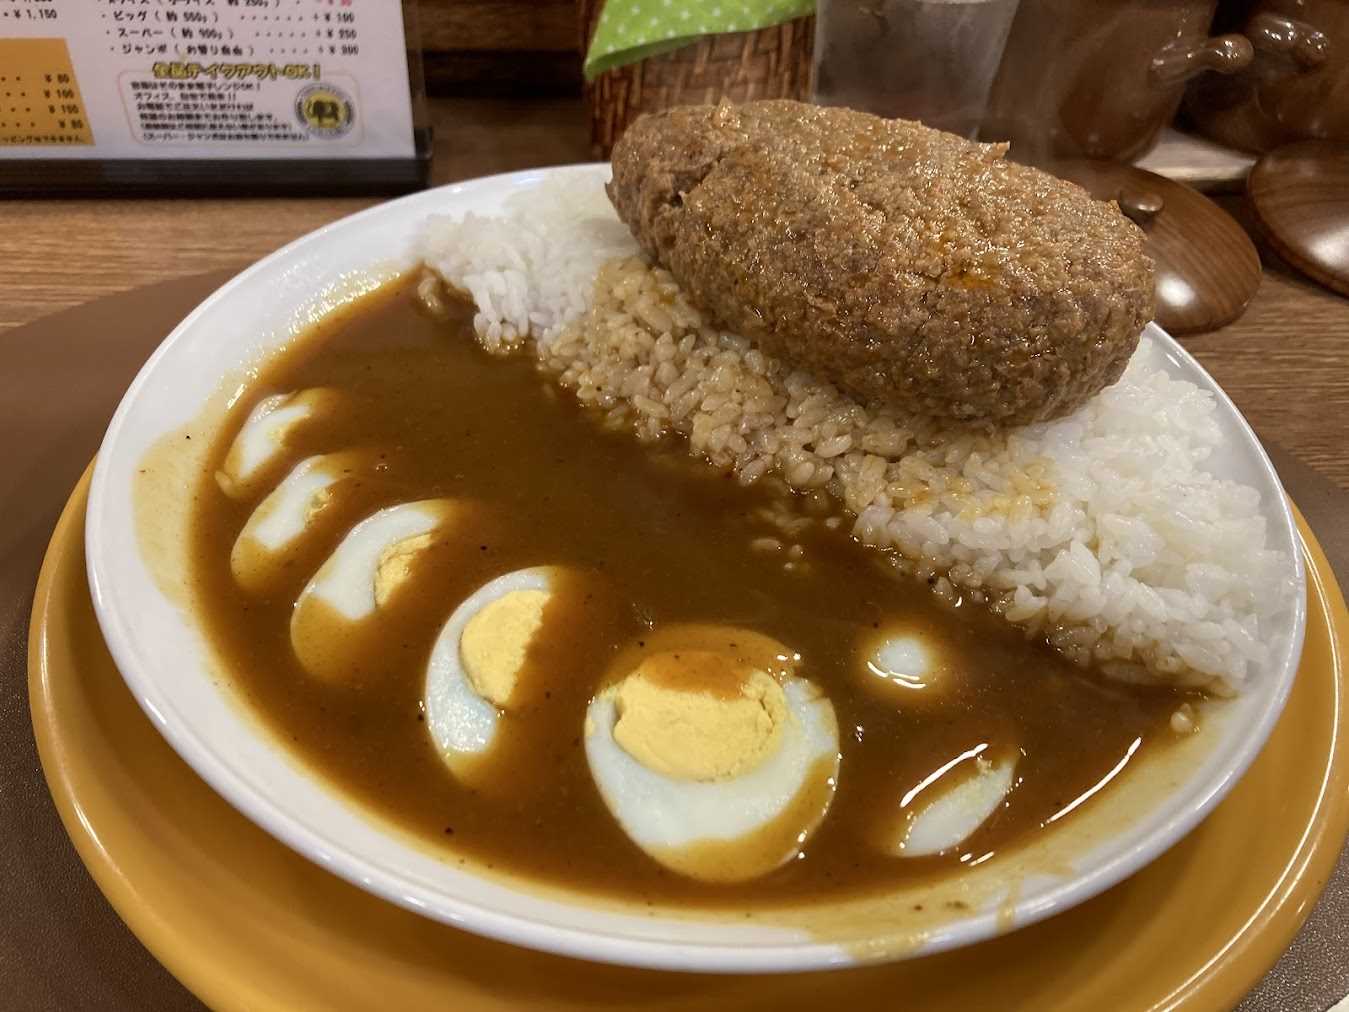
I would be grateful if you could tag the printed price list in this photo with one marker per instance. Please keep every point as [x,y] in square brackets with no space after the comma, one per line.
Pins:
[204,78]
[40,99]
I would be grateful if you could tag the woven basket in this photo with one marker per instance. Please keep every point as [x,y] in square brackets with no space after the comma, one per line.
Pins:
[740,66]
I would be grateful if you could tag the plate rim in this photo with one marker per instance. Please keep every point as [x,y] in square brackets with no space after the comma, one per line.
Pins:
[767,956]
[1220,982]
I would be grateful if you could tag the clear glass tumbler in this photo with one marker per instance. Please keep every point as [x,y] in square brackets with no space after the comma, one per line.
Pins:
[929,60]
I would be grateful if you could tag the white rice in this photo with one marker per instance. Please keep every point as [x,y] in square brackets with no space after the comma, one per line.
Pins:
[529,272]
[1101,531]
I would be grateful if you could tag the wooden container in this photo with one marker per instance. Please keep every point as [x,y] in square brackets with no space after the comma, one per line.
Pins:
[1296,89]
[740,66]
[1100,78]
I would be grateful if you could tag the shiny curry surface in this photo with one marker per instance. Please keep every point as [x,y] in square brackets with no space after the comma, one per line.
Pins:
[648,537]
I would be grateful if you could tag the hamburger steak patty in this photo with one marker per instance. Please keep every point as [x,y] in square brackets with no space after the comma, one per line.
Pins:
[908,266]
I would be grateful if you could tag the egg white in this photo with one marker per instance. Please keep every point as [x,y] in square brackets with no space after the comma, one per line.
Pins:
[282,518]
[261,439]
[903,668]
[345,583]
[943,819]
[662,815]
[462,723]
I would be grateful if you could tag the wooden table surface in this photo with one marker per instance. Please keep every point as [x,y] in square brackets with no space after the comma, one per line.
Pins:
[1285,362]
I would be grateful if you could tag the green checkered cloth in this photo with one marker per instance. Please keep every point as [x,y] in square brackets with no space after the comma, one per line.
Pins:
[632,30]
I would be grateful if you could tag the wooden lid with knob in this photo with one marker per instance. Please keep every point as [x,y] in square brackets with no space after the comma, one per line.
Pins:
[1300,198]
[1207,267]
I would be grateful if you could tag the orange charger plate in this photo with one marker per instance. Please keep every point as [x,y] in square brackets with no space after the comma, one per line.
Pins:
[244,922]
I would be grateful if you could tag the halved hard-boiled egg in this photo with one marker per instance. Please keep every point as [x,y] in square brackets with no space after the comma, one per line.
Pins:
[374,559]
[290,509]
[262,438]
[476,663]
[946,807]
[712,754]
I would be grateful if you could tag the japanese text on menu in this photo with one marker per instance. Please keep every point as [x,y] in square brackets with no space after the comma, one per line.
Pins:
[203,79]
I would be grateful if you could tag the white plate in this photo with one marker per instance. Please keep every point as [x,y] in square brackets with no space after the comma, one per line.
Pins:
[163,656]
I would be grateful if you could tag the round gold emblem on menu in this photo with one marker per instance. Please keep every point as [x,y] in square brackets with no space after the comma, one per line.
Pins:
[325,110]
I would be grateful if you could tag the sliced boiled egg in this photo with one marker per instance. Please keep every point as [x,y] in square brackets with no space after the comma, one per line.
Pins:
[375,558]
[712,754]
[476,662]
[291,509]
[945,809]
[262,438]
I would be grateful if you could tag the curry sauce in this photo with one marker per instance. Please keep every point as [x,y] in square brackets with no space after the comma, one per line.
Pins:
[645,537]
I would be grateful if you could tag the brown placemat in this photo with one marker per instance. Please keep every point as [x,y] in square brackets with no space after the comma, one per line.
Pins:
[61,945]
[62,948]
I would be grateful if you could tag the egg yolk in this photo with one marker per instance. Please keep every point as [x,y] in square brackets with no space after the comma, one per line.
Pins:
[318,502]
[395,565]
[699,715]
[495,641]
